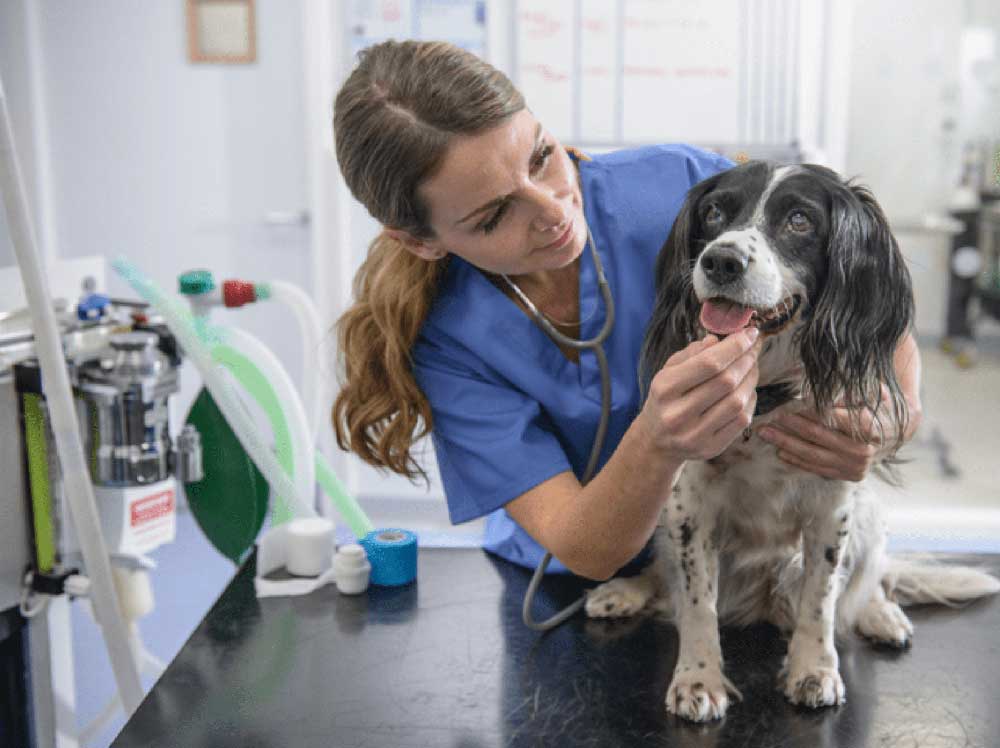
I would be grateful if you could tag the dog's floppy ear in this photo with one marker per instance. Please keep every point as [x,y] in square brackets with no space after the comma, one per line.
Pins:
[675,311]
[864,309]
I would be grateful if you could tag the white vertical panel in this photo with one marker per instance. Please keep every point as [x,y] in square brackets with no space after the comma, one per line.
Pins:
[545,61]
[792,71]
[899,102]
[757,64]
[744,93]
[681,70]
[598,70]
[45,210]
[809,79]
[770,48]
[500,44]
[324,57]
[779,134]
[837,81]
[759,30]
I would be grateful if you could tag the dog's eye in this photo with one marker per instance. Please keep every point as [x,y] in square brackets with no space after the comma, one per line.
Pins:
[714,216]
[799,222]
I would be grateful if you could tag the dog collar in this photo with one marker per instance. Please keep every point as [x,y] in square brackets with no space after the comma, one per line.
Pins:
[770,396]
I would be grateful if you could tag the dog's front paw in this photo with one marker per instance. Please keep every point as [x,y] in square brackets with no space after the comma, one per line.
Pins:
[815,687]
[618,598]
[700,695]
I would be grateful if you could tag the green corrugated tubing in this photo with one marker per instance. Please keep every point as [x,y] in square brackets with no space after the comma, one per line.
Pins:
[248,375]
[225,531]
[251,379]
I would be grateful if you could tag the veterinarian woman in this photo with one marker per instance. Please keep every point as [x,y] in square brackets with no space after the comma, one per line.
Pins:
[485,212]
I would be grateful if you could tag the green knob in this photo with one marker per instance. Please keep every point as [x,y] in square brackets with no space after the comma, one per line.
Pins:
[196,282]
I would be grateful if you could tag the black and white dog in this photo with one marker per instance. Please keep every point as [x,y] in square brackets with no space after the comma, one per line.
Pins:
[810,260]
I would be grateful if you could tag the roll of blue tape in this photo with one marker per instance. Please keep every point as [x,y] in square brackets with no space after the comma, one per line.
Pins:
[393,556]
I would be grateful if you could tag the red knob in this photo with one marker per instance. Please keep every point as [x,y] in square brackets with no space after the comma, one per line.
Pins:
[237,293]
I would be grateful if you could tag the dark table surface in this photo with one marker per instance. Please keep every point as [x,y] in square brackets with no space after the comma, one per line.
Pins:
[447,662]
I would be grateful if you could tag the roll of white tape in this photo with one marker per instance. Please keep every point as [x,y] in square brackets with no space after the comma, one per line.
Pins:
[310,546]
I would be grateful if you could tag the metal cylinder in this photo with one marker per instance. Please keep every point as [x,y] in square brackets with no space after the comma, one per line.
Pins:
[187,457]
[123,408]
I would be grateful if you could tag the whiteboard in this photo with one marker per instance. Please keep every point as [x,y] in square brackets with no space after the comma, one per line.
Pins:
[624,72]
[600,85]
[545,60]
[680,70]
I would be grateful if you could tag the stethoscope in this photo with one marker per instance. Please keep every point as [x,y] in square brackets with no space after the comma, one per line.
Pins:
[602,426]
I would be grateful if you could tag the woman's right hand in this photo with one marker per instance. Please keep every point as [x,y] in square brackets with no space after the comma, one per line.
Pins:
[703,397]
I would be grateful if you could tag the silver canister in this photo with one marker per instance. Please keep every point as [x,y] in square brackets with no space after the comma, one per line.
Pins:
[122,401]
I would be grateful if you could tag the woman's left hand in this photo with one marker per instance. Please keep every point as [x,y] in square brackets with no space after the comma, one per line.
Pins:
[803,440]
[841,453]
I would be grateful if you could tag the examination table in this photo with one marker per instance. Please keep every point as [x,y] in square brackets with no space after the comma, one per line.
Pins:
[447,661]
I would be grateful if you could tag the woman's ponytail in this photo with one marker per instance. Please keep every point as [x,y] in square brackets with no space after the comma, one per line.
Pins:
[380,411]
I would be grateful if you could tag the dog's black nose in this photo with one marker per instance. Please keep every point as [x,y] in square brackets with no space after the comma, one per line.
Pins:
[724,264]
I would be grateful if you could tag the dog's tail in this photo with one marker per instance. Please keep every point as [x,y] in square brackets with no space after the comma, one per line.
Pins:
[912,581]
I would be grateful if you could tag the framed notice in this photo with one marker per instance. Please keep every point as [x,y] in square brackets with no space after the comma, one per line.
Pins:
[461,22]
[221,31]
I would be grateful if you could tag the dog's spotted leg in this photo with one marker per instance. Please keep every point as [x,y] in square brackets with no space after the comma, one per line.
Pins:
[698,691]
[811,675]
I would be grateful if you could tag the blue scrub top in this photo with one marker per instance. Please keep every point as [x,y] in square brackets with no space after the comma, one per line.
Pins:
[510,410]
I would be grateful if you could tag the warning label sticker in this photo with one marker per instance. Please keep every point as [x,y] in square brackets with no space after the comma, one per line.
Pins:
[152,508]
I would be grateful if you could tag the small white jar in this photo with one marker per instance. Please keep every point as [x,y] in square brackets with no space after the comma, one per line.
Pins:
[351,569]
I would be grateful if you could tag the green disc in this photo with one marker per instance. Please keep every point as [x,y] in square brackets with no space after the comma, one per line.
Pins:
[230,502]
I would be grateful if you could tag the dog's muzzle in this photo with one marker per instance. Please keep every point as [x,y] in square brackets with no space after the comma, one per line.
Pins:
[724,264]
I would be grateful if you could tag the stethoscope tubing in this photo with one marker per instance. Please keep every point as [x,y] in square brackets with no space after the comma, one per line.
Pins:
[594,344]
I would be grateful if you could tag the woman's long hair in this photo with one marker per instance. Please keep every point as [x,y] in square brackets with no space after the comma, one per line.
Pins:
[393,120]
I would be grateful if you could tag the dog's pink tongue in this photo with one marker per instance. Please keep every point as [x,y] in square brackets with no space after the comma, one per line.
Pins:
[724,317]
